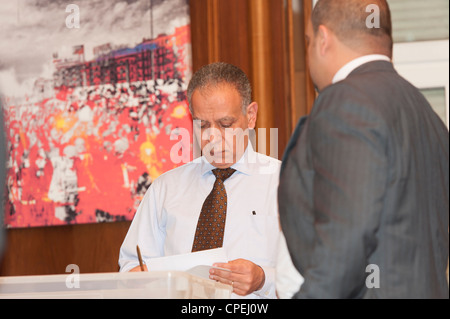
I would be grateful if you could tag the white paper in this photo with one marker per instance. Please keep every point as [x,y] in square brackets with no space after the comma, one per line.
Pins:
[203,271]
[186,262]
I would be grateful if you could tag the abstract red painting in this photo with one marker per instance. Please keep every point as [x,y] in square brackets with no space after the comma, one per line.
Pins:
[94,99]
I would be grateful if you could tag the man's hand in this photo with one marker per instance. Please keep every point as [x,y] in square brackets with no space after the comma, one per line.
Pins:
[245,276]
[138,269]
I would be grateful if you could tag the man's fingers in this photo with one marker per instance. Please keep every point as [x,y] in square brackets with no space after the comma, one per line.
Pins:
[243,275]
[222,265]
[236,266]
[224,276]
[138,269]
[220,272]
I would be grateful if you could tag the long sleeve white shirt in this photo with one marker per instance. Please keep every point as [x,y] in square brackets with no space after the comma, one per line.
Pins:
[167,217]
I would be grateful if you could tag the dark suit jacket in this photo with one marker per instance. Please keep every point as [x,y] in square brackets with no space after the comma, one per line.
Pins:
[365,181]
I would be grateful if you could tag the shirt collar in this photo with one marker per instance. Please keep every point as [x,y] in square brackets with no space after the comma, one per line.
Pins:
[354,64]
[244,165]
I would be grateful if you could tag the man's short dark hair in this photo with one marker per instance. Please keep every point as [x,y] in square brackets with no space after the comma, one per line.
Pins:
[347,19]
[219,73]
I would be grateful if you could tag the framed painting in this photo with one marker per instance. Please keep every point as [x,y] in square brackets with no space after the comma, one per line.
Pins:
[93,96]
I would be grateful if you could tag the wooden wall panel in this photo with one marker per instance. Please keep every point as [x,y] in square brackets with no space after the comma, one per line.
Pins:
[48,250]
[219,32]
[202,24]
[232,33]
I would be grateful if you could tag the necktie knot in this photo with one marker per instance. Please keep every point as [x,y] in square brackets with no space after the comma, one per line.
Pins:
[223,173]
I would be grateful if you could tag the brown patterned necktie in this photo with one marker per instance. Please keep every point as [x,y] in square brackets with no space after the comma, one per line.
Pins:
[211,223]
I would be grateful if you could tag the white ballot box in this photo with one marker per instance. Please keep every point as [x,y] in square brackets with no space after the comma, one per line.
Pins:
[147,285]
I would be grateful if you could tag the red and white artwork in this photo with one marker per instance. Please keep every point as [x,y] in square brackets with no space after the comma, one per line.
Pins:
[93,95]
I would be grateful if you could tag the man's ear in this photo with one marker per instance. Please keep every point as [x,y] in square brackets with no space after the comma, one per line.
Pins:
[324,38]
[252,114]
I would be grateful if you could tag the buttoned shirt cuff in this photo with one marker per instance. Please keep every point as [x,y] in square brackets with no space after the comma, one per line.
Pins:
[268,289]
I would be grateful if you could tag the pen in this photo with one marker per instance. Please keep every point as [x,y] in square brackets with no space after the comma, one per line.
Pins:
[141,264]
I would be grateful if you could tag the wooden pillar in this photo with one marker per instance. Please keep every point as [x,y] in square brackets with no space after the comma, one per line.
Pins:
[261,54]
[310,89]
[301,87]
[213,30]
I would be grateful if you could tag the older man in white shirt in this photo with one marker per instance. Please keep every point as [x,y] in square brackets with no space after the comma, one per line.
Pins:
[167,219]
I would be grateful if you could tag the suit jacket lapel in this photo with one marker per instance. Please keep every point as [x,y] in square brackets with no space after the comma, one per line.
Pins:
[294,139]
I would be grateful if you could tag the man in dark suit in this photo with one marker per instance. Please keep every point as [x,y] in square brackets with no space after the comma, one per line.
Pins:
[364,185]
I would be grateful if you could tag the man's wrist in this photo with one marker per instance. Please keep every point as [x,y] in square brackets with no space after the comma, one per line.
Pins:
[263,280]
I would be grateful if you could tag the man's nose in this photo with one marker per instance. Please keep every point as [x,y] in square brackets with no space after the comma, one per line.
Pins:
[212,134]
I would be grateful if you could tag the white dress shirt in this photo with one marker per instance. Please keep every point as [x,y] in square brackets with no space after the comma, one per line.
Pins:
[356,63]
[166,220]
[288,279]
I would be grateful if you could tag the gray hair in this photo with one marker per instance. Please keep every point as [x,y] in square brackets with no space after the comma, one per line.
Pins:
[218,73]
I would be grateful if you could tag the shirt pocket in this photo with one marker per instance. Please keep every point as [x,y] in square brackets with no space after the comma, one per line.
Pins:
[262,237]
[262,225]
